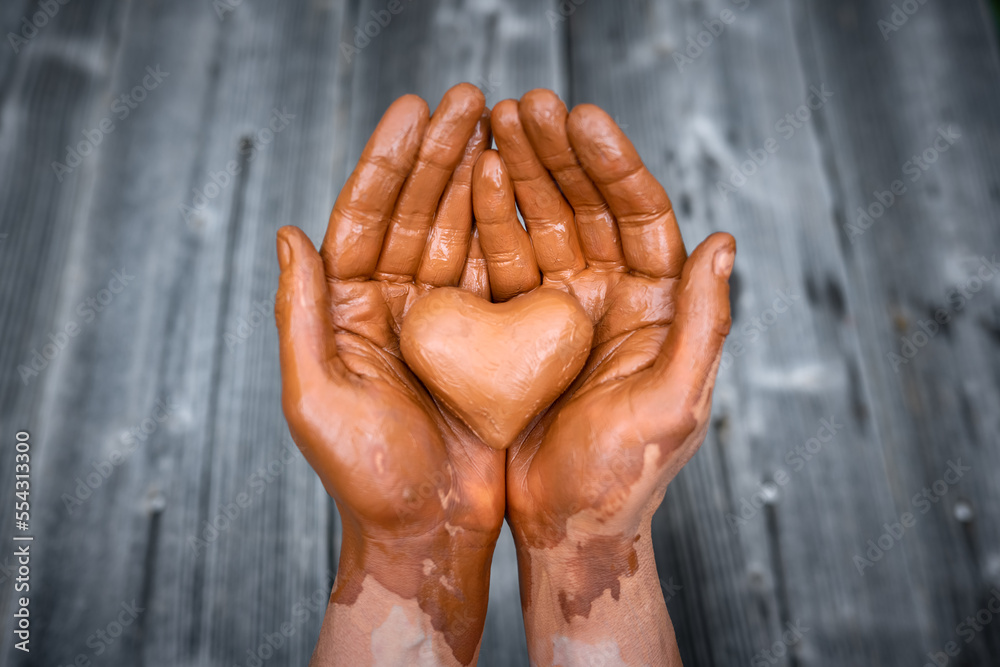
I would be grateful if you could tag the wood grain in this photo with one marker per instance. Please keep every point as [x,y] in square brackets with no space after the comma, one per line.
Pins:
[215,527]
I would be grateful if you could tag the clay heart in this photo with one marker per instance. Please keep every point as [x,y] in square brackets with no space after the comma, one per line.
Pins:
[496,365]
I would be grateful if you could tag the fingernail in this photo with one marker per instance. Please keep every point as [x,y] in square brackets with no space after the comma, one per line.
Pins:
[722,264]
[284,253]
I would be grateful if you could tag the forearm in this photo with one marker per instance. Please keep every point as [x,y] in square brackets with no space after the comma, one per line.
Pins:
[595,601]
[418,603]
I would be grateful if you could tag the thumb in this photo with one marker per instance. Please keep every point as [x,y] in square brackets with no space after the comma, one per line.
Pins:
[302,312]
[686,369]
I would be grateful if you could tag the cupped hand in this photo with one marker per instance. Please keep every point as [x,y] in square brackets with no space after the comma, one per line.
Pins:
[587,477]
[412,484]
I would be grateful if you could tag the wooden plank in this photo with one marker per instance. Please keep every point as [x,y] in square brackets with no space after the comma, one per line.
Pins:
[163,337]
[936,73]
[50,90]
[792,560]
[193,329]
[283,539]
[94,383]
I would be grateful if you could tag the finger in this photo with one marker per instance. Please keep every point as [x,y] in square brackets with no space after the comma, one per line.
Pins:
[547,215]
[308,351]
[544,116]
[650,237]
[686,369]
[359,218]
[510,261]
[448,241]
[475,277]
[444,145]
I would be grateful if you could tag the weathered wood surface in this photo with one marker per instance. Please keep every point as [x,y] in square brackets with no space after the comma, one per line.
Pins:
[193,330]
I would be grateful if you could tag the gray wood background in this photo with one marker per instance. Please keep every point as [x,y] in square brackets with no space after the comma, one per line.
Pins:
[202,537]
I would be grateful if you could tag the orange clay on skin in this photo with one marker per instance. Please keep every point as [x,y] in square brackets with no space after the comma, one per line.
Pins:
[582,481]
[419,495]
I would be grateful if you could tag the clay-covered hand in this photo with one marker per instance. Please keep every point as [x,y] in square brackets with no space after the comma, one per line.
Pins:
[420,498]
[584,480]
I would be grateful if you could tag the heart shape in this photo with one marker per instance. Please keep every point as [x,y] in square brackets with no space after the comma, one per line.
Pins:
[496,366]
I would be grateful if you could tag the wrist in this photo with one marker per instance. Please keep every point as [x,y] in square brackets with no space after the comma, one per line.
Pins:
[433,588]
[592,596]
[443,558]
[577,568]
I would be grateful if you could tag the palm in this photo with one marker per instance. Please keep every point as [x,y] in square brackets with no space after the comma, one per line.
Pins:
[394,462]
[432,451]
[563,470]
[631,316]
